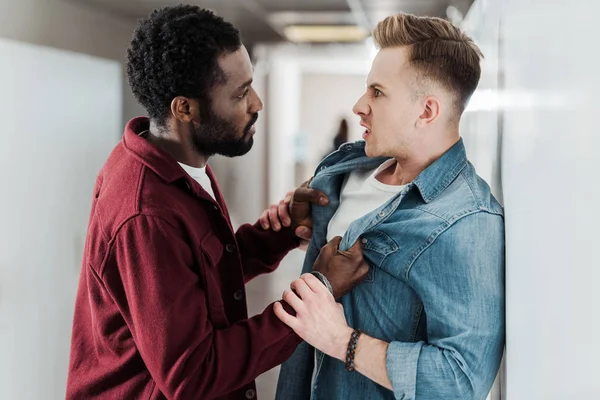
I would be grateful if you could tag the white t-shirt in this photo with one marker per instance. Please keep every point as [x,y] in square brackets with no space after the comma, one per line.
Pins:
[200,176]
[361,194]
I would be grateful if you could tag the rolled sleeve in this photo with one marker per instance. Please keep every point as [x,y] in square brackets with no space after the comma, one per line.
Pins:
[401,363]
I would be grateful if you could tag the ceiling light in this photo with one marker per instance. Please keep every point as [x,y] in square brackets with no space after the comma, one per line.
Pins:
[285,18]
[325,33]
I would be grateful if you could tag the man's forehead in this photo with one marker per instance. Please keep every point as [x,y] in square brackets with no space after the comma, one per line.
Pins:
[237,66]
[388,65]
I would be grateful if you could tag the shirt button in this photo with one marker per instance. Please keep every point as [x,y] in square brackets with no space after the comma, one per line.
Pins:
[238,295]
[230,248]
[364,240]
[250,393]
[382,214]
[215,208]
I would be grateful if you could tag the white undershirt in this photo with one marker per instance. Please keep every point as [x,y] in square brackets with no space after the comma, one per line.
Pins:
[361,194]
[200,176]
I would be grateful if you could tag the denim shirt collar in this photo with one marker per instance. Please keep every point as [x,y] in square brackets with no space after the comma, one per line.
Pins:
[442,172]
[430,183]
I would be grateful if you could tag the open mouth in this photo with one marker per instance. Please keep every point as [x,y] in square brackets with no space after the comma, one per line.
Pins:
[366,133]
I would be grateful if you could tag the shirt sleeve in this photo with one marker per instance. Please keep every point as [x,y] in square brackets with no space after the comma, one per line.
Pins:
[262,250]
[150,277]
[460,280]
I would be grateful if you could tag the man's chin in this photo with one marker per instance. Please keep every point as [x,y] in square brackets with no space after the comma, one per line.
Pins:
[241,148]
[370,151]
[249,142]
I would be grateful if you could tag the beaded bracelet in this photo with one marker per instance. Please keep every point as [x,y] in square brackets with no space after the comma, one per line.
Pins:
[351,349]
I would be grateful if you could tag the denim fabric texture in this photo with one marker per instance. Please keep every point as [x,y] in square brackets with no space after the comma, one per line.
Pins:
[435,288]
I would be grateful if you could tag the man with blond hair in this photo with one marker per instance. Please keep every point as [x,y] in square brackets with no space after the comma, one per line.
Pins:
[428,322]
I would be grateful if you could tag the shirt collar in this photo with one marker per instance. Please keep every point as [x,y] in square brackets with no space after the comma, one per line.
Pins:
[430,182]
[159,161]
[438,176]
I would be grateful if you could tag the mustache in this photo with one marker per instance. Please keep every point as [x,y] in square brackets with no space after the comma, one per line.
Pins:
[252,122]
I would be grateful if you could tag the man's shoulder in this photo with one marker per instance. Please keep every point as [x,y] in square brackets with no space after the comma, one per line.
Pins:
[467,194]
[127,188]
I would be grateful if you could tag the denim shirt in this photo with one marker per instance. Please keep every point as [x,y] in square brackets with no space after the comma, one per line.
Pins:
[434,291]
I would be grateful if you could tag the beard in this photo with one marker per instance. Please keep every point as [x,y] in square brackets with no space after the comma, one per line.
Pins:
[217,135]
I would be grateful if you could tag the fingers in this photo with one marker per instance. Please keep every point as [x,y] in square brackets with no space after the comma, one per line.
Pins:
[331,248]
[305,194]
[264,220]
[356,250]
[274,217]
[288,197]
[303,232]
[334,243]
[307,183]
[293,300]
[277,214]
[314,284]
[284,214]
[283,315]
[302,288]
[357,246]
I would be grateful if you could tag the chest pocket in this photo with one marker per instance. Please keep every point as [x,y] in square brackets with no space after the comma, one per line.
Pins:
[377,245]
[211,250]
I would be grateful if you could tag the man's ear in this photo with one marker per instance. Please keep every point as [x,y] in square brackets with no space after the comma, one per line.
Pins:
[184,109]
[431,111]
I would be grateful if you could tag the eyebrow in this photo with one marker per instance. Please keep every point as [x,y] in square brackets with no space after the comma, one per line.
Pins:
[245,84]
[375,85]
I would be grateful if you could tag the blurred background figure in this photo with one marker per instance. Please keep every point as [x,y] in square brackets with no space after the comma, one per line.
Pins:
[530,131]
[340,137]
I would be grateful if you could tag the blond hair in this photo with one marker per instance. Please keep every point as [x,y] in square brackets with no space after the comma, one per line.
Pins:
[439,51]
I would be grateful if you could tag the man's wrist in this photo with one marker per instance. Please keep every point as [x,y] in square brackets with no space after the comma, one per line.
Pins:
[288,236]
[340,343]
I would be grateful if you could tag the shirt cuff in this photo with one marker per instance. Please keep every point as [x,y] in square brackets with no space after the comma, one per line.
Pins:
[323,280]
[401,363]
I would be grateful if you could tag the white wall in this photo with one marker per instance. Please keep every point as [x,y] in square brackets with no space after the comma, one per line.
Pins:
[59,113]
[283,116]
[481,123]
[68,25]
[551,193]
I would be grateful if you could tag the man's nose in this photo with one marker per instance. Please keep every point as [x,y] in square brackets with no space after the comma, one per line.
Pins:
[361,107]
[256,104]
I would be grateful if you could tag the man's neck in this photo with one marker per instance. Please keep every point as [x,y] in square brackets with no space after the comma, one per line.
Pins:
[407,168]
[179,146]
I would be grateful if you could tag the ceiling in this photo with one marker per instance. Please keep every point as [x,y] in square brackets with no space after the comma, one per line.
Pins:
[264,20]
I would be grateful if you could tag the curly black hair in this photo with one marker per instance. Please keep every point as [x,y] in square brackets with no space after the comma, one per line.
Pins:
[174,52]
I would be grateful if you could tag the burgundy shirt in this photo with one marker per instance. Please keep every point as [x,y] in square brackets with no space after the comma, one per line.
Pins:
[161,309]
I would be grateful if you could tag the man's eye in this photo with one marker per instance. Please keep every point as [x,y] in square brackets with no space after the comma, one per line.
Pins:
[241,96]
[377,93]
